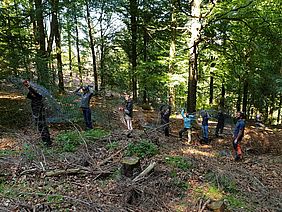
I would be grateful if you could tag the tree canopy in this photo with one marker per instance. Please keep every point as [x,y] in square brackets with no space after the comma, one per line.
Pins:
[198,54]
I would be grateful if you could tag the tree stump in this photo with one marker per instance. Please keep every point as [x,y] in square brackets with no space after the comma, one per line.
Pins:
[217,206]
[130,166]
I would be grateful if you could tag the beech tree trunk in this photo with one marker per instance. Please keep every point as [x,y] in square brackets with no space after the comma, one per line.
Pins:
[92,47]
[78,51]
[193,56]
[133,5]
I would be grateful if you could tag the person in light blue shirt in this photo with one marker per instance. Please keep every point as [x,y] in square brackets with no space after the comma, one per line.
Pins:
[85,104]
[188,121]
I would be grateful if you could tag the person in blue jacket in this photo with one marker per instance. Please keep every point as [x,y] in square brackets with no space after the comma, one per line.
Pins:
[86,95]
[188,121]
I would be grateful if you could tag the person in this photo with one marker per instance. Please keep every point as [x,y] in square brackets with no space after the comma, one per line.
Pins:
[205,126]
[86,95]
[165,112]
[188,121]
[258,122]
[128,112]
[38,114]
[220,123]
[238,135]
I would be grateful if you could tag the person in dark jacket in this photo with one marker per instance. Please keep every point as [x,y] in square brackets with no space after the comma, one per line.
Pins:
[220,123]
[165,112]
[38,114]
[85,104]
[238,135]
[128,111]
[205,126]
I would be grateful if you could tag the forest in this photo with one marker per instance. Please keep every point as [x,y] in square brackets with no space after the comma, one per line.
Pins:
[198,56]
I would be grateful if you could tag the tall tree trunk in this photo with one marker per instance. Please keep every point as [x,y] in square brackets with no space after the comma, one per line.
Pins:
[78,51]
[193,56]
[91,43]
[222,98]
[238,103]
[55,22]
[172,53]
[133,22]
[211,88]
[42,60]
[279,109]
[145,44]
[245,96]
[102,49]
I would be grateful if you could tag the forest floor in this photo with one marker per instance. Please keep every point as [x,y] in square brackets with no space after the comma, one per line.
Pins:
[186,177]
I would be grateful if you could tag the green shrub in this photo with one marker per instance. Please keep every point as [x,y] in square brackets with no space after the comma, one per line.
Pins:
[142,149]
[68,141]
[178,162]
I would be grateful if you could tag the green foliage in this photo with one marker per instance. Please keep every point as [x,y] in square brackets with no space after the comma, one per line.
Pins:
[28,152]
[178,162]
[235,202]
[55,198]
[112,146]
[68,141]
[142,149]
[225,183]
[6,152]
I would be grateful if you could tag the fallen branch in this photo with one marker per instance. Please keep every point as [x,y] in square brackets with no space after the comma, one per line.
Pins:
[204,205]
[145,172]
[59,172]
[109,158]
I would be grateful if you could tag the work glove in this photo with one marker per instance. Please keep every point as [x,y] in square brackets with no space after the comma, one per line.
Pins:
[235,141]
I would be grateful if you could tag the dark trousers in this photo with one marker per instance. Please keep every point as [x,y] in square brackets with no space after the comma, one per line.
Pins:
[42,127]
[166,127]
[219,128]
[182,131]
[87,117]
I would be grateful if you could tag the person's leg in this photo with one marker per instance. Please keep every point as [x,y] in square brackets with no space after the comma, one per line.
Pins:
[128,122]
[181,132]
[44,131]
[87,117]
[221,128]
[206,134]
[217,129]
[238,150]
[89,121]
[166,130]
[189,135]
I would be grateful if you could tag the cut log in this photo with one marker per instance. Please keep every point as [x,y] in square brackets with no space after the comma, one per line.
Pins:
[59,172]
[130,165]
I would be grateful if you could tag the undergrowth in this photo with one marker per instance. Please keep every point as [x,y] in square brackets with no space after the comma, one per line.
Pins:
[142,149]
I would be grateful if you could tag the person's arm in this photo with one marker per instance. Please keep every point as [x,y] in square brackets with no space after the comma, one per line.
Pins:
[77,91]
[182,113]
[34,92]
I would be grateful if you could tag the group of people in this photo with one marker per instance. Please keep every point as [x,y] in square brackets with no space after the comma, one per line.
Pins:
[190,121]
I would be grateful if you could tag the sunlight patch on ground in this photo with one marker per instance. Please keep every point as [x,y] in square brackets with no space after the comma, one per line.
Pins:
[10,96]
[7,143]
[193,151]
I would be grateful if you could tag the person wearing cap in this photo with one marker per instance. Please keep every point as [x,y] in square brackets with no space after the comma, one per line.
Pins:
[188,121]
[238,135]
[86,95]
[38,114]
